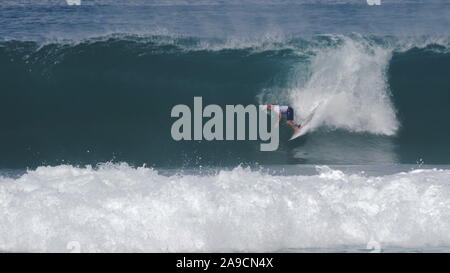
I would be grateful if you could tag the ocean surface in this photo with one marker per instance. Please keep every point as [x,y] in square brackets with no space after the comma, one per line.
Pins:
[87,158]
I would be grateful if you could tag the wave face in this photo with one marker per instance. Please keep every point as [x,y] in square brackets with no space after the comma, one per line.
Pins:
[109,99]
[117,208]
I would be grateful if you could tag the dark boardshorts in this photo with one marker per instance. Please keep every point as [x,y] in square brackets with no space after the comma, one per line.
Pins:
[290,114]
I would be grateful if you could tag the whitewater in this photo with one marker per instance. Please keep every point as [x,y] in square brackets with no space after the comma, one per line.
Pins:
[118,208]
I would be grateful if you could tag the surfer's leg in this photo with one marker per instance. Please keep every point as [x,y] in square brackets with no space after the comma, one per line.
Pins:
[293,125]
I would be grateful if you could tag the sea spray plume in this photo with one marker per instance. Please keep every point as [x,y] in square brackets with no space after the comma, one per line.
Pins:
[348,83]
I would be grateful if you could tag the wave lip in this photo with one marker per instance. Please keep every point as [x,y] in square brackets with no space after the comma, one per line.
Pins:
[119,208]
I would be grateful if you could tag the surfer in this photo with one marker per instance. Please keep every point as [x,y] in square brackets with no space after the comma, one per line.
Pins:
[286,111]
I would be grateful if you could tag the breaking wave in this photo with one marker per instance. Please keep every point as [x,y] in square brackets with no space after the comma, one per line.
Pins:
[109,98]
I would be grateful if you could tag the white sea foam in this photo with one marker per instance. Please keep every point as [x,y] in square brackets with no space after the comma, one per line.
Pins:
[73,2]
[349,84]
[120,208]
[374,2]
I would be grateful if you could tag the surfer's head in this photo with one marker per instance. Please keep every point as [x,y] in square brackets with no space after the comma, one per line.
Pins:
[269,107]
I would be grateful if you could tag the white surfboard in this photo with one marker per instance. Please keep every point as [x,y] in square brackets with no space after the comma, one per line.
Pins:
[297,134]
[305,125]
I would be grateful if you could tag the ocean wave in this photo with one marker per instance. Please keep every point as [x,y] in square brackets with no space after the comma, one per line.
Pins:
[99,99]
